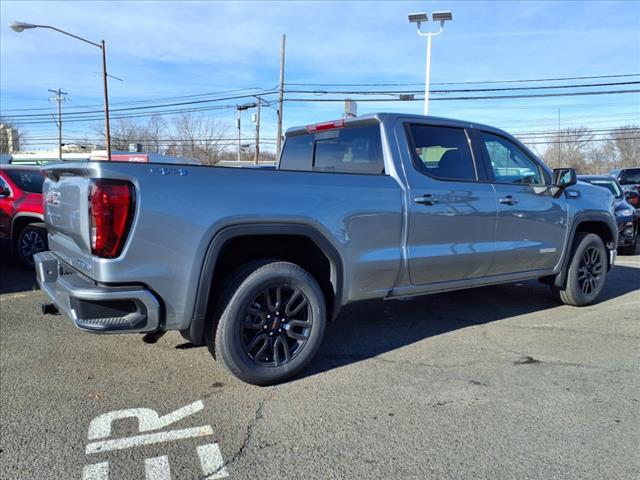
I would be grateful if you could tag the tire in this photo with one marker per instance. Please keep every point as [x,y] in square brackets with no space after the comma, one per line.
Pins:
[586,273]
[31,240]
[264,337]
[631,249]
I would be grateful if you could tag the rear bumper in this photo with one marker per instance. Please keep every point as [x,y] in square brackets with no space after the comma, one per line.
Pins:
[94,307]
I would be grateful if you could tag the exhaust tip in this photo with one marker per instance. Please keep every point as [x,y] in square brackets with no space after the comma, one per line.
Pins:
[49,309]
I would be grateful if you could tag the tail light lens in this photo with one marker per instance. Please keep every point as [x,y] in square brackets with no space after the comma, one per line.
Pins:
[111,204]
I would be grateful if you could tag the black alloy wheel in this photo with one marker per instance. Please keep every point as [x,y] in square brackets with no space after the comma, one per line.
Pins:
[32,240]
[276,326]
[590,270]
[269,322]
[586,272]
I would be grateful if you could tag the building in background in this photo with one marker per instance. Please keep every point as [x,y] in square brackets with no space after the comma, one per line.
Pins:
[9,139]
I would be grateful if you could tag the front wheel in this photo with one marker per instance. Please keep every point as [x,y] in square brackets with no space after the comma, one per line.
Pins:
[587,271]
[31,240]
[631,249]
[272,322]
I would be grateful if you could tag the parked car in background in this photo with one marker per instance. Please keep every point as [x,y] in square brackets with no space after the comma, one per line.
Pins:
[627,217]
[22,227]
[253,262]
[629,178]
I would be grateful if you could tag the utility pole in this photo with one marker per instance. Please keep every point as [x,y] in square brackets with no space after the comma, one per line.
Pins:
[558,144]
[257,157]
[280,99]
[238,128]
[59,98]
[107,135]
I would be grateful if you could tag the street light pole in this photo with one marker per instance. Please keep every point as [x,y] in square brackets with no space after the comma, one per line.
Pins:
[427,80]
[419,18]
[21,26]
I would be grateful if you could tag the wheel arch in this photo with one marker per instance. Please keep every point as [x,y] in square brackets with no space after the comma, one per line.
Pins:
[235,234]
[21,220]
[599,223]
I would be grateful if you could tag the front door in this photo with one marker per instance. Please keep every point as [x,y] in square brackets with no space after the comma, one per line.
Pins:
[452,216]
[6,211]
[532,224]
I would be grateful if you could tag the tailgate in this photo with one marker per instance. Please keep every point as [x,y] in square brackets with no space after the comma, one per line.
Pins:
[66,204]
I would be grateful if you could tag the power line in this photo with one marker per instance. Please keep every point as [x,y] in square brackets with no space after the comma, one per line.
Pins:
[490,97]
[259,91]
[475,82]
[76,116]
[466,90]
[263,91]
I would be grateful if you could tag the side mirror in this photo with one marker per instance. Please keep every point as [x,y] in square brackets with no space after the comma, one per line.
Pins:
[632,198]
[564,177]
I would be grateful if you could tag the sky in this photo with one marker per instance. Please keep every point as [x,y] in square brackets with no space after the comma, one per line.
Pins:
[170,48]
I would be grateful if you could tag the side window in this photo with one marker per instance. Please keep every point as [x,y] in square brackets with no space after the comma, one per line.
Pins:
[4,184]
[509,163]
[349,150]
[342,150]
[442,152]
[297,153]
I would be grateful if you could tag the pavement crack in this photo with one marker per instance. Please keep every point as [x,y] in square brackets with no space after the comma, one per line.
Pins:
[247,437]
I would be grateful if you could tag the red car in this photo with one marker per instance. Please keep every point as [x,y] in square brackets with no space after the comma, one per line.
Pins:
[21,211]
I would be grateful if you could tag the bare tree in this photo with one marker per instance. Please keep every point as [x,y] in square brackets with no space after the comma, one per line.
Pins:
[626,144]
[123,132]
[600,158]
[155,134]
[200,137]
[569,148]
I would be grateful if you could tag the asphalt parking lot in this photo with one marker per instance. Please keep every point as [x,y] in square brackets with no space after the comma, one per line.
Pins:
[498,382]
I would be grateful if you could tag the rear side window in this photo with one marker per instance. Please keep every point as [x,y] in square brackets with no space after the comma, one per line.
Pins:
[442,152]
[345,150]
[28,180]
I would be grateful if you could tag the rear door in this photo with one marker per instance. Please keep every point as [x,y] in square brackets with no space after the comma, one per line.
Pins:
[452,213]
[532,224]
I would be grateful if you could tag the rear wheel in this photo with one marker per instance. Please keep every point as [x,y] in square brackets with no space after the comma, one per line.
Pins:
[587,271]
[271,323]
[31,240]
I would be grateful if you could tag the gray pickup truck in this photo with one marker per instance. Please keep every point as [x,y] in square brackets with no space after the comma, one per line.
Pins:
[254,262]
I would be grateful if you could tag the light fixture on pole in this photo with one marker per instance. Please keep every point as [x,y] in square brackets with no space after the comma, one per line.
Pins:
[419,19]
[21,26]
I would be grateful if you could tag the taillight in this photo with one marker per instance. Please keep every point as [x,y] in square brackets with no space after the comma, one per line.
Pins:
[111,205]
[318,127]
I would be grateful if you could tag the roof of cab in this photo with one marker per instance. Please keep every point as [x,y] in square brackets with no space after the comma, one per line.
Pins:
[388,117]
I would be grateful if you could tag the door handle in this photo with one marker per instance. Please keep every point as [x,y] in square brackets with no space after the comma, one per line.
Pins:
[427,199]
[508,200]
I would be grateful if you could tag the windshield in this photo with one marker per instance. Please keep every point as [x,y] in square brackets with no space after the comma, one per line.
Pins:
[630,176]
[611,185]
[28,180]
